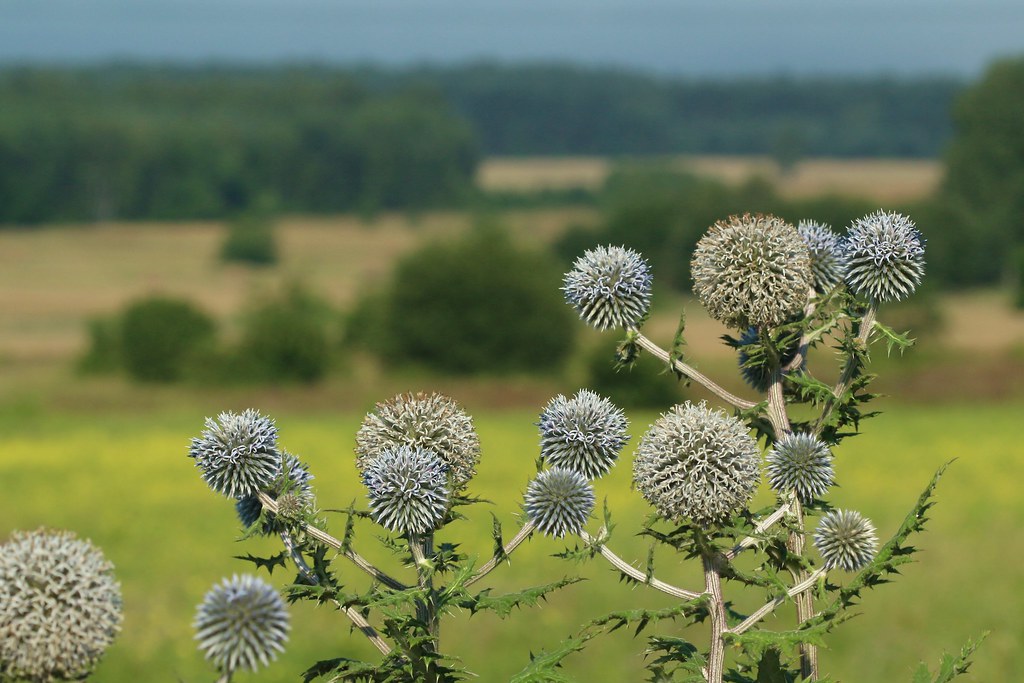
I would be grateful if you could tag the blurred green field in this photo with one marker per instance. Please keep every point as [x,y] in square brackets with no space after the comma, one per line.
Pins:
[126,483]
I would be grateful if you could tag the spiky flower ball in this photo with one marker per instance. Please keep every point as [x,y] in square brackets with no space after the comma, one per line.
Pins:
[697,463]
[559,501]
[752,270]
[241,624]
[845,539]
[60,606]
[828,259]
[801,463]
[610,287]
[293,481]
[408,489]
[584,433]
[238,453]
[431,422]
[885,256]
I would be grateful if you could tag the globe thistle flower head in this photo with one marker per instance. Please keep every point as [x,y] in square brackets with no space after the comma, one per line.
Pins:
[885,256]
[610,287]
[697,463]
[238,453]
[60,606]
[828,258]
[432,422]
[559,501]
[583,434]
[801,463]
[242,623]
[293,480]
[846,539]
[408,489]
[752,270]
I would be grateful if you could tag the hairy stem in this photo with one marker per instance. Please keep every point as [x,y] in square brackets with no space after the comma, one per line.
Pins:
[804,601]
[770,606]
[716,608]
[634,573]
[353,614]
[422,548]
[691,372]
[804,344]
[506,550]
[762,526]
[867,323]
[328,540]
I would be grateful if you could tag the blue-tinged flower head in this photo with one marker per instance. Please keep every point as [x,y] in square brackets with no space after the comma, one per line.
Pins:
[292,481]
[432,422]
[583,434]
[828,259]
[238,453]
[610,287]
[754,361]
[559,501]
[801,463]
[60,606]
[885,256]
[846,539]
[697,463]
[752,270]
[408,489]
[242,623]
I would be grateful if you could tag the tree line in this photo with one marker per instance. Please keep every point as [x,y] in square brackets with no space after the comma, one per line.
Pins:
[148,142]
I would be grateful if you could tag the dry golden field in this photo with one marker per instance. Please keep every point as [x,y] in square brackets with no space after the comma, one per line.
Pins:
[879,179]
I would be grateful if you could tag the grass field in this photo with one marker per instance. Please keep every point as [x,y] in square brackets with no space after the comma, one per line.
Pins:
[877,179]
[124,482]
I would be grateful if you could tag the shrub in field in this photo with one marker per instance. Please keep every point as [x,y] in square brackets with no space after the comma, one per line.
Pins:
[286,337]
[783,290]
[251,237]
[480,304]
[160,335]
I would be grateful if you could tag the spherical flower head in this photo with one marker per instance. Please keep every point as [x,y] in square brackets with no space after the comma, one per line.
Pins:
[697,463]
[583,434]
[293,480]
[238,453]
[752,270]
[610,287]
[885,256]
[241,624]
[845,539]
[801,463]
[432,422]
[828,258]
[559,501]
[408,489]
[60,606]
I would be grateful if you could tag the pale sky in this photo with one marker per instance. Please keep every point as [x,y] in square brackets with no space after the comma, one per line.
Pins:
[686,37]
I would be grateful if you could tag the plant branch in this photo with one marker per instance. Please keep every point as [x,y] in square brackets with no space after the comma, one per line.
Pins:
[716,608]
[353,614]
[691,372]
[770,606]
[762,526]
[325,538]
[867,323]
[506,550]
[634,573]
[422,548]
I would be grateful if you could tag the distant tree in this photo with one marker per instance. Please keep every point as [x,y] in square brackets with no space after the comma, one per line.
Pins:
[984,181]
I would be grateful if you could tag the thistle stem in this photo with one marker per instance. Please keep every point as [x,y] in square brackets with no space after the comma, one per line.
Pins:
[804,601]
[325,538]
[353,614]
[690,372]
[422,548]
[867,323]
[804,344]
[762,526]
[506,550]
[716,608]
[634,573]
[770,606]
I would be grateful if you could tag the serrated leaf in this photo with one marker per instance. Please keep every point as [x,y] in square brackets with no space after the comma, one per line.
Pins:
[268,563]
